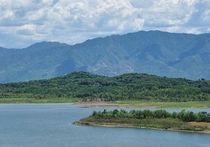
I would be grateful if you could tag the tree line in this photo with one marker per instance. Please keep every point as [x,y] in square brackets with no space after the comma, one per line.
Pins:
[186,116]
[131,86]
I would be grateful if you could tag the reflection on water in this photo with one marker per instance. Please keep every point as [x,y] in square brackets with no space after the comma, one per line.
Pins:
[50,125]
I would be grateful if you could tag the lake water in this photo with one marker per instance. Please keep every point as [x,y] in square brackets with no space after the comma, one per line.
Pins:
[50,125]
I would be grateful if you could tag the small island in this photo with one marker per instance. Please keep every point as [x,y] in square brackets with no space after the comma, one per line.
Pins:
[158,119]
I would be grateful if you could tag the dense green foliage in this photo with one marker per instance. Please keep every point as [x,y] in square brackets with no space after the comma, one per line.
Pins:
[125,87]
[185,116]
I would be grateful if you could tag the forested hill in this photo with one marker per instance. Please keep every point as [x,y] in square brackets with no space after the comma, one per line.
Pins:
[128,86]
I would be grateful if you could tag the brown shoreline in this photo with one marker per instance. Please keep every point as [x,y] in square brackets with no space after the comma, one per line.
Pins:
[96,104]
[112,125]
[143,104]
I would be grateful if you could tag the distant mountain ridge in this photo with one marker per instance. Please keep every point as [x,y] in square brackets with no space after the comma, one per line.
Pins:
[152,52]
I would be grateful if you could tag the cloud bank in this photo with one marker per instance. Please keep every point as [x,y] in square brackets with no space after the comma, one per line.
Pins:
[23,22]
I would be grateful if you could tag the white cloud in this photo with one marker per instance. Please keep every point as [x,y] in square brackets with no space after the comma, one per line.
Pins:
[206,17]
[71,21]
[169,13]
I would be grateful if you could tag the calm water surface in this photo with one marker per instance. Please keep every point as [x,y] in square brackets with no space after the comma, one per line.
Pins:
[50,125]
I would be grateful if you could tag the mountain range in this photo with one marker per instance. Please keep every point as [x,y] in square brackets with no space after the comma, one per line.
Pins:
[152,52]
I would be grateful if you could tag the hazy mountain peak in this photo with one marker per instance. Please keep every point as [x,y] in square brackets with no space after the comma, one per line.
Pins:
[47,44]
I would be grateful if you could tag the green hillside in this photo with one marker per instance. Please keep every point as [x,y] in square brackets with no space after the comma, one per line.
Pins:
[124,87]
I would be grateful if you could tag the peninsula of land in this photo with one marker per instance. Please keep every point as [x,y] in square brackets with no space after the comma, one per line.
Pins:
[158,119]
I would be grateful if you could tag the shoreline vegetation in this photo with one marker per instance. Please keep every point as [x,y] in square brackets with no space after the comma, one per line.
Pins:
[159,119]
[36,100]
[126,90]
[121,103]
[145,104]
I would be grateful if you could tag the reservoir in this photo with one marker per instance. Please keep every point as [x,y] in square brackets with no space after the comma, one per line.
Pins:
[50,125]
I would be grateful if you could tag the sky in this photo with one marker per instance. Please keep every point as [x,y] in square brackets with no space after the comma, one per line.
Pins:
[24,22]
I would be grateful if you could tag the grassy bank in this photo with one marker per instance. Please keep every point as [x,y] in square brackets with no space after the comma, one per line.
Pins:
[190,104]
[123,103]
[145,104]
[36,100]
[158,119]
